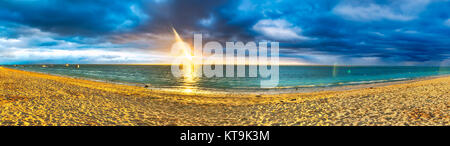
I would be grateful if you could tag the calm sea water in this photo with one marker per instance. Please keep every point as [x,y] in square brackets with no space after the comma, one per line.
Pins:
[290,76]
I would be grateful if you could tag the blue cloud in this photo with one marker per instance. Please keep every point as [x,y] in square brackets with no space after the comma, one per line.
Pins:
[73,17]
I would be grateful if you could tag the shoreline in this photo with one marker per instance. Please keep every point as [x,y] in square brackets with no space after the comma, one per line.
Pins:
[29,98]
[276,90]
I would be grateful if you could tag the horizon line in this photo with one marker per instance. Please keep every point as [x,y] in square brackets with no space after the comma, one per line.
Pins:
[165,64]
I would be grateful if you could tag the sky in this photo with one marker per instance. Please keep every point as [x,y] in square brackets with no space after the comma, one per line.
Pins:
[317,32]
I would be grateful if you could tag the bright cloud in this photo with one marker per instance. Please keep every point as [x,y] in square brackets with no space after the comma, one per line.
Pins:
[398,10]
[35,55]
[279,30]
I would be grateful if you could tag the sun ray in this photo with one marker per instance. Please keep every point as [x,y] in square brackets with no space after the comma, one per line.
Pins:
[188,65]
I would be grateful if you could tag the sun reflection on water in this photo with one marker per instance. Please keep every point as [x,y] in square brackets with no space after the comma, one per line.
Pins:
[189,78]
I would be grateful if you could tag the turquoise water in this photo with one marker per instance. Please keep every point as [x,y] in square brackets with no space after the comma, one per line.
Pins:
[290,76]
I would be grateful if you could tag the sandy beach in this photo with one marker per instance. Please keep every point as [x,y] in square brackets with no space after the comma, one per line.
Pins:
[28,98]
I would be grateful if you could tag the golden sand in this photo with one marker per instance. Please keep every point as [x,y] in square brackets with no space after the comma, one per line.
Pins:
[28,98]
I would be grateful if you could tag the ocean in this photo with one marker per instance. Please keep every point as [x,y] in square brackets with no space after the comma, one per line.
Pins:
[160,76]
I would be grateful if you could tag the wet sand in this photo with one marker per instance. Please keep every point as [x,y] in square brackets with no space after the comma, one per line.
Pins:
[28,98]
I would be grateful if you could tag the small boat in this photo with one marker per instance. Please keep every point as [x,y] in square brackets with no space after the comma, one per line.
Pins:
[43,65]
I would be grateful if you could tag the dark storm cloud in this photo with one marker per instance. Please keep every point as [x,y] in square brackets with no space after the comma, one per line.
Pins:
[197,16]
[70,17]
[401,32]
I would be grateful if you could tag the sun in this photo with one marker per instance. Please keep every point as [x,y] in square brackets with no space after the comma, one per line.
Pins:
[186,48]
